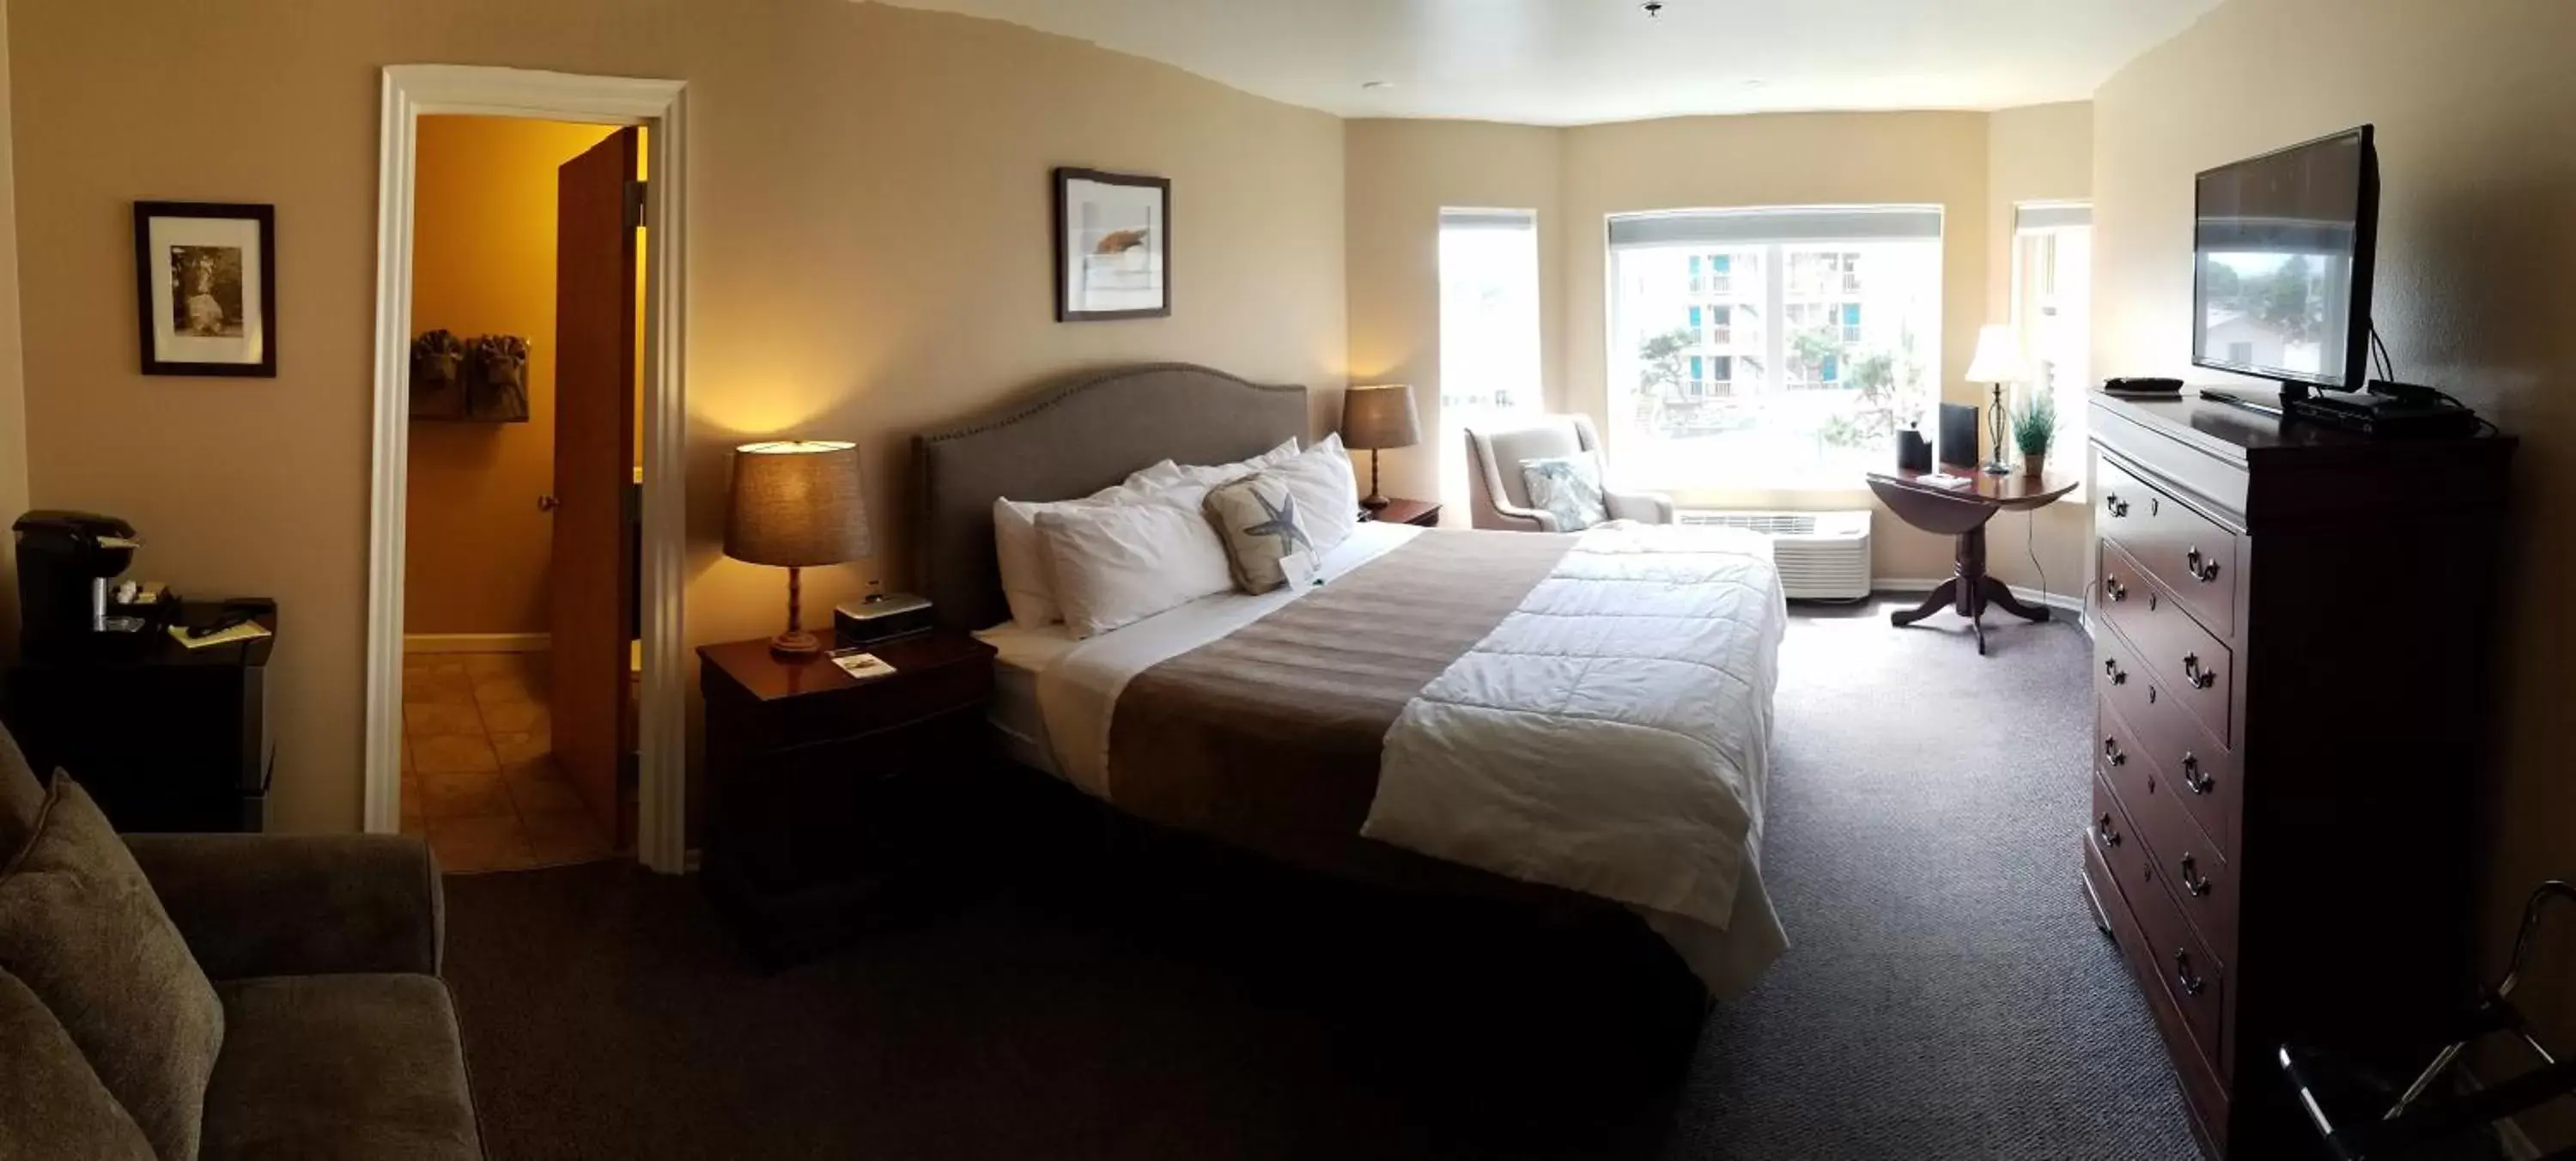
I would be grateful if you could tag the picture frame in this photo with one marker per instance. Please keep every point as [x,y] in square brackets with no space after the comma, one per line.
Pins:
[1113,246]
[205,288]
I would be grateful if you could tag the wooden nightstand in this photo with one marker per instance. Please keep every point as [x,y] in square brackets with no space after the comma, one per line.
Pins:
[831,802]
[1422,513]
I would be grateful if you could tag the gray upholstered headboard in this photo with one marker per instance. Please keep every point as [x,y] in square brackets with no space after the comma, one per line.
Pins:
[1069,439]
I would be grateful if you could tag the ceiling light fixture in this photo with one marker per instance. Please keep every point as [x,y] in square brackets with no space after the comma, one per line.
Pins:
[1654,9]
[1375,86]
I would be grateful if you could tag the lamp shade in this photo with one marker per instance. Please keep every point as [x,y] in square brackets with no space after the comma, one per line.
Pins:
[1382,416]
[1998,357]
[796,503]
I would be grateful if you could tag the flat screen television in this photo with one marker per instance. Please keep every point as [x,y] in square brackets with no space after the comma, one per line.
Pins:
[2281,258]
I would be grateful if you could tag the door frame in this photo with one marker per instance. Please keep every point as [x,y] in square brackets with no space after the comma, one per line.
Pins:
[411,91]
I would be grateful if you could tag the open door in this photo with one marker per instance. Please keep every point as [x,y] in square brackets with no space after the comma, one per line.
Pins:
[598,207]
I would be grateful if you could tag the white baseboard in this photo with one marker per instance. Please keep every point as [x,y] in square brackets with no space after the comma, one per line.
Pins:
[2070,602]
[476,642]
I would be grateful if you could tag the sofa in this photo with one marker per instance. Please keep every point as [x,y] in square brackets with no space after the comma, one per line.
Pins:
[324,1029]
[1498,497]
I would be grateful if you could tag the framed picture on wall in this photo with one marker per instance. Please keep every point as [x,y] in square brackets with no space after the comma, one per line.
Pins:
[205,288]
[1113,246]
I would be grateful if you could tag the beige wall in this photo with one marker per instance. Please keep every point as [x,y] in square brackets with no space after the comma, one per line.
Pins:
[2476,110]
[13,409]
[1401,174]
[2038,153]
[871,255]
[483,263]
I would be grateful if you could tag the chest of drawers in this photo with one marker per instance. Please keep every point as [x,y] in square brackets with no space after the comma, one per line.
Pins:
[2291,666]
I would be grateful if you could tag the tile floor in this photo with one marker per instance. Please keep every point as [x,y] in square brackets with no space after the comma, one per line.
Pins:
[479,778]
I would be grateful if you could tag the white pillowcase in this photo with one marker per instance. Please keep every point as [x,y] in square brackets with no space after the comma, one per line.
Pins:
[1027,584]
[1116,564]
[1168,474]
[1327,492]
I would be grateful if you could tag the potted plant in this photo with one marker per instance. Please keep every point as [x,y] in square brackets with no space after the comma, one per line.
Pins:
[2034,428]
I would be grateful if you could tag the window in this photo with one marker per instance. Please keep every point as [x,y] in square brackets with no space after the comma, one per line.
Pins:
[1730,400]
[2052,306]
[1489,352]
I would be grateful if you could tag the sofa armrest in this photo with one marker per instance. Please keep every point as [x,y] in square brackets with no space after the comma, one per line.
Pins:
[298,905]
[1642,507]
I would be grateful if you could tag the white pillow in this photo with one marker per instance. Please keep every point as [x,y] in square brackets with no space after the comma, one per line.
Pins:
[1168,474]
[1327,492]
[1026,582]
[1115,564]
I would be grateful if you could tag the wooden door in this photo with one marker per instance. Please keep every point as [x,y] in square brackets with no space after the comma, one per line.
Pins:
[591,605]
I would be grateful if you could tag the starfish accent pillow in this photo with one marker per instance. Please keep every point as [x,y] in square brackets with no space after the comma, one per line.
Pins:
[1266,542]
[1568,488]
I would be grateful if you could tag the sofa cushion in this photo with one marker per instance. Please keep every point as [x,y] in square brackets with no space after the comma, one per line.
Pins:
[22,797]
[51,1101]
[341,1066]
[81,927]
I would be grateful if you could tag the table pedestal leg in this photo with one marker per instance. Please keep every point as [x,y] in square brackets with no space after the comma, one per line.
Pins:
[1970,590]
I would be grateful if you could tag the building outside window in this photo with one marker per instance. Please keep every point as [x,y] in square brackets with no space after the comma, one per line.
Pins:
[1726,398]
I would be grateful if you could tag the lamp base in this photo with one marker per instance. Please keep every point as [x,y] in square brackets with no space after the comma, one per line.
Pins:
[795,643]
[1374,502]
[1998,468]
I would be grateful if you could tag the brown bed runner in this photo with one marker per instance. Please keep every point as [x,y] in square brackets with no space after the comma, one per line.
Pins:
[1270,735]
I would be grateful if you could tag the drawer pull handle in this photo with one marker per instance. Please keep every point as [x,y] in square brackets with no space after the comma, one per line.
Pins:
[2111,584]
[2194,777]
[2201,570]
[2103,830]
[2111,752]
[2192,984]
[2111,669]
[2193,881]
[2118,507]
[2198,677]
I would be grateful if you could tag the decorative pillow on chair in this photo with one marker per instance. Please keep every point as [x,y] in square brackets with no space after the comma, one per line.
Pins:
[1266,543]
[80,926]
[1568,488]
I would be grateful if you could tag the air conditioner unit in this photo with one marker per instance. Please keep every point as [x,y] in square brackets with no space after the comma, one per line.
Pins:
[1823,556]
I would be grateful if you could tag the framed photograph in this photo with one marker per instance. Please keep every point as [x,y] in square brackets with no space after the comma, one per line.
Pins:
[1113,246]
[205,288]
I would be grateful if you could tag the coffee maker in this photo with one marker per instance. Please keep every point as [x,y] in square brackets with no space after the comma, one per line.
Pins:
[67,564]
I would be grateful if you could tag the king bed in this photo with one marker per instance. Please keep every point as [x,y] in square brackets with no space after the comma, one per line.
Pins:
[1579,719]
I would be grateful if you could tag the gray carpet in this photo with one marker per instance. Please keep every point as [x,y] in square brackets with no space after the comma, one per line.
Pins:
[1947,995]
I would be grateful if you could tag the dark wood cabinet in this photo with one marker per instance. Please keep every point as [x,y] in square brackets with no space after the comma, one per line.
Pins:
[1420,513]
[2292,665]
[834,803]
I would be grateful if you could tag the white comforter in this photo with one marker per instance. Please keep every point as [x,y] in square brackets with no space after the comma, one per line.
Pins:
[1613,736]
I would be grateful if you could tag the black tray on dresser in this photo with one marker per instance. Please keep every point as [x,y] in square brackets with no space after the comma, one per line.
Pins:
[2288,741]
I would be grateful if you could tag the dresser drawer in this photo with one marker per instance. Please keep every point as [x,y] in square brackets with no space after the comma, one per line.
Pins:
[2191,665]
[2116,839]
[2200,1084]
[2186,764]
[2193,978]
[2194,555]
[2175,849]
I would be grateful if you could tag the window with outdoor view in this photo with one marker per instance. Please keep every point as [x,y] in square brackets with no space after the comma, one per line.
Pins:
[1770,348]
[2053,307]
[1489,352]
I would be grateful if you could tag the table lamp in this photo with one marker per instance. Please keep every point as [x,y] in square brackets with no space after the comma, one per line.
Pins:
[796,505]
[1379,417]
[1998,362]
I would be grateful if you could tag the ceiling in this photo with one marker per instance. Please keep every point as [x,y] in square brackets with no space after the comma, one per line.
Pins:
[1571,62]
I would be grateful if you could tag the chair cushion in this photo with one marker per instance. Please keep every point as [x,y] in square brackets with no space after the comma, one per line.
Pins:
[82,928]
[340,1066]
[1548,439]
[53,1102]
[1568,488]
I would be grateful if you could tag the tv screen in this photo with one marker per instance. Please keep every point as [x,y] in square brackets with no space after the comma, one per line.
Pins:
[2282,255]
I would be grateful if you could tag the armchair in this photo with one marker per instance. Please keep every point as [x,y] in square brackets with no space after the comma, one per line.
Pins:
[1499,499]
